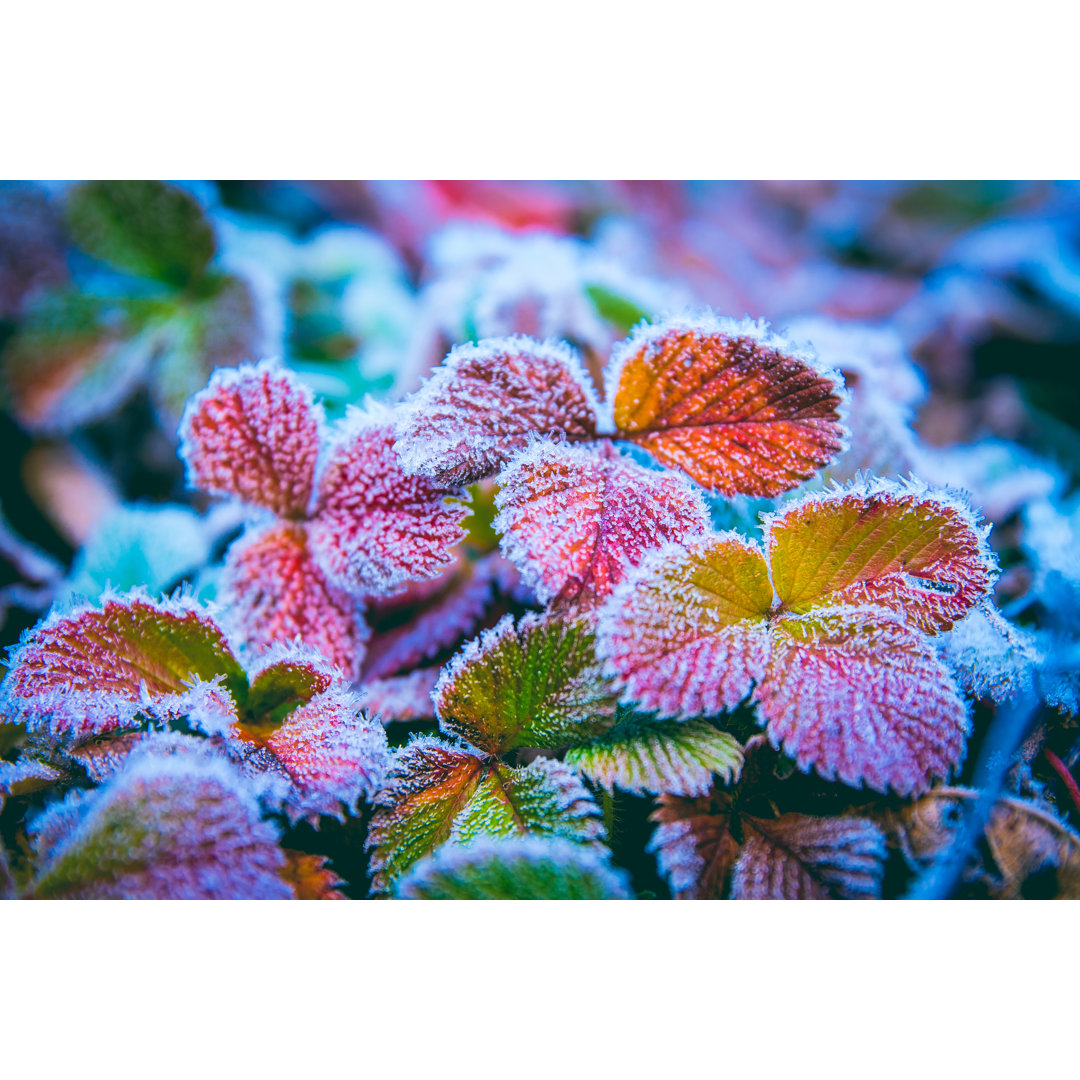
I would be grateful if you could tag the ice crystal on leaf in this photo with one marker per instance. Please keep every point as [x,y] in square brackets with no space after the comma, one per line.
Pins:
[738,409]
[163,828]
[576,520]
[402,697]
[518,868]
[534,684]
[350,521]
[845,679]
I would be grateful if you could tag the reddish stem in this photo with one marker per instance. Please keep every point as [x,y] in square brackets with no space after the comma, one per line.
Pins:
[1066,777]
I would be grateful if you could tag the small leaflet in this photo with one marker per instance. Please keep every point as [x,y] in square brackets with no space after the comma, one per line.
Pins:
[576,520]
[180,827]
[643,755]
[686,635]
[375,527]
[740,410]
[918,552]
[515,868]
[285,678]
[253,432]
[273,591]
[487,401]
[533,684]
[546,798]
[310,878]
[863,698]
[795,857]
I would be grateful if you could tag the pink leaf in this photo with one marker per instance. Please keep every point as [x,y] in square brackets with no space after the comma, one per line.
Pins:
[577,520]
[275,592]
[861,697]
[404,697]
[375,528]
[487,401]
[253,433]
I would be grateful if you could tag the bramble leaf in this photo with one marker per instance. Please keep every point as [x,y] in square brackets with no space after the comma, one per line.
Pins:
[402,697]
[178,828]
[428,784]
[309,877]
[487,401]
[144,227]
[536,684]
[795,857]
[375,528]
[576,520]
[545,797]
[518,868]
[641,754]
[132,648]
[915,551]
[253,432]
[738,409]
[284,679]
[862,697]
[693,844]
[274,591]
[686,634]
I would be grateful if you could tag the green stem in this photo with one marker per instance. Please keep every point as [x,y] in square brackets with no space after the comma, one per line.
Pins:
[607,804]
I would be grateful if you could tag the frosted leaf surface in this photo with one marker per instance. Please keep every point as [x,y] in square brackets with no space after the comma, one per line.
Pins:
[375,527]
[25,775]
[402,697]
[132,649]
[915,551]
[534,684]
[545,798]
[641,755]
[274,591]
[334,755]
[178,828]
[861,697]
[740,410]
[694,848]
[795,857]
[576,520]
[989,657]
[253,432]
[283,679]
[429,782]
[487,401]
[518,868]
[686,634]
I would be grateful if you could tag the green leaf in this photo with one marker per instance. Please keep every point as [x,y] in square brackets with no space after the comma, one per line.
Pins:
[143,227]
[642,754]
[287,678]
[620,311]
[544,798]
[527,868]
[537,684]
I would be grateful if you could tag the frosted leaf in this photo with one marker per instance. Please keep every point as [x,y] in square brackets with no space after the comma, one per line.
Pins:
[740,410]
[83,666]
[428,784]
[518,868]
[915,551]
[694,846]
[103,755]
[861,697]
[309,877]
[179,828]
[333,754]
[144,227]
[989,657]
[487,401]
[795,857]
[577,520]
[454,614]
[25,776]
[536,684]
[283,679]
[545,798]
[686,634]
[642,755]
[402,697]
[254,433]
[274,591]
[375,527]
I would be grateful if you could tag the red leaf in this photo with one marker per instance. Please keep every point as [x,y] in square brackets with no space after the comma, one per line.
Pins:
[577,520]
[253,433]
[694,846]
[738,409]
[487,401]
